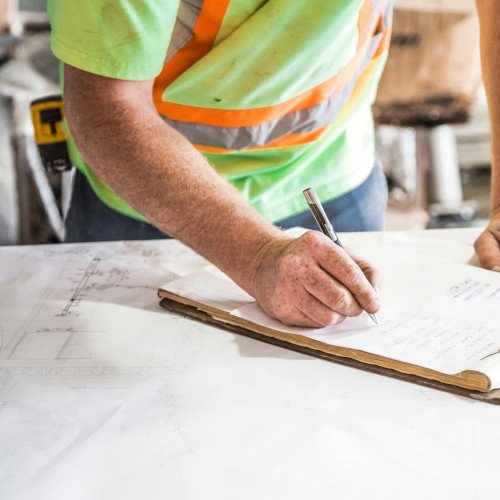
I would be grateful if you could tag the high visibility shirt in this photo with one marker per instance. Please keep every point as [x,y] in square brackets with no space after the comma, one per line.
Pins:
[276,94]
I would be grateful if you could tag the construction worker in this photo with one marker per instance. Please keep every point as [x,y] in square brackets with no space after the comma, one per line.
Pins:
[208,118]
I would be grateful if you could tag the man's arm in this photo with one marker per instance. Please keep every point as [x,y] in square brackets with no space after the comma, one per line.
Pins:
[306,281]
[488,244]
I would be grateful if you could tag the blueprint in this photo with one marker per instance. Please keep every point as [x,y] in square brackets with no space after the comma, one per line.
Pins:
[68,306]
[104,394]
[83,337]
[91,310]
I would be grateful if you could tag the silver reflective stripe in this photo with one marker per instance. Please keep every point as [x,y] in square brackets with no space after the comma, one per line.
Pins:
[383,7]
[377,4]
[304,120]
[187,15]
[387,9]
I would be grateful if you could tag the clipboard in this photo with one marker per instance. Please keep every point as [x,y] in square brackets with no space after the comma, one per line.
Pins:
[191,311]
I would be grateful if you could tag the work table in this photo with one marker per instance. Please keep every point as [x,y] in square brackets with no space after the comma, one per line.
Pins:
[103,394]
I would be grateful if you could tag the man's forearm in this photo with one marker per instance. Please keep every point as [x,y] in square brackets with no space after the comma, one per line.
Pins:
[487,245]
[307,281]
[489,18]
[163,177]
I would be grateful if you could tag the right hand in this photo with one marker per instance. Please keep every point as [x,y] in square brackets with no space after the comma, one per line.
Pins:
[311,281]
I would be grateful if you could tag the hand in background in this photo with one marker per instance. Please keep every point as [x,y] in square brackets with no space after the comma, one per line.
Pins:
[310,281]
[487,246]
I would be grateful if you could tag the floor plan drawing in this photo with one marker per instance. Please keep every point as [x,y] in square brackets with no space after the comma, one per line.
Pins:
[86,304]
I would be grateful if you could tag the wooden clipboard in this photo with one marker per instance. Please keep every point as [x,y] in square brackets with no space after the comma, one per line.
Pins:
[492,397]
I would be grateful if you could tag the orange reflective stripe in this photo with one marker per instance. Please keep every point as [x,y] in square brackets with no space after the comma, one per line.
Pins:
[296,139]
[364,78]
[292,139]
[257,116]
[286,140]
[204,32]
[211,149]
[365,17]
[384,43]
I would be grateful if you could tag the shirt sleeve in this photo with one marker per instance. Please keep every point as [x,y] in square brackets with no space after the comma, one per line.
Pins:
[123,39]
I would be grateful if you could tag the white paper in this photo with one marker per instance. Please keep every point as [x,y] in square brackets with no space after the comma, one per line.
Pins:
[90,304]
[435,313]
[213,288]
[120,399]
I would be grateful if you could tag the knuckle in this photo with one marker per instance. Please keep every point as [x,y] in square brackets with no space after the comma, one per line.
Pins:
[289,317]
[342,300]
[351,275]
[330,317]
[335,318]
[311,240]
[311,237]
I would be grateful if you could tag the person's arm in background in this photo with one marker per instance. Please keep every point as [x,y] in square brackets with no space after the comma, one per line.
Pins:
[488,244]
[307,281]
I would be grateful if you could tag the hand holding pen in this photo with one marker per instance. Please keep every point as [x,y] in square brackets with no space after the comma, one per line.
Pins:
[308,281]
[325,225]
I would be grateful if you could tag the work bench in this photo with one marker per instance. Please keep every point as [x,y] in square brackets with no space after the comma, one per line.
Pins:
[105,395]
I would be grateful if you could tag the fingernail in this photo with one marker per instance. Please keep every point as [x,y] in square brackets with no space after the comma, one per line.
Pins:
[496,269]
[377,289]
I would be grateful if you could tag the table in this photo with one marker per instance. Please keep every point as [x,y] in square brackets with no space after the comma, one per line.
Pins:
[103,394]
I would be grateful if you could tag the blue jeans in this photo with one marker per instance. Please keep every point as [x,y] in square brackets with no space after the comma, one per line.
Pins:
[89,219]
[362,209]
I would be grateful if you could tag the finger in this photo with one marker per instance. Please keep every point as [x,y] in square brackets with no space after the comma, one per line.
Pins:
[488,250]
[372,273]
[317,311]
[306,310]
[298,318]
[331,293]
[341,266]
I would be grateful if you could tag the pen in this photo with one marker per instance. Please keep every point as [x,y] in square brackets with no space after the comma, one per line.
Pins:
[325,225]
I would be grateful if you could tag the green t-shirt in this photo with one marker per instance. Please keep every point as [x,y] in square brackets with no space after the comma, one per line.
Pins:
[276,95]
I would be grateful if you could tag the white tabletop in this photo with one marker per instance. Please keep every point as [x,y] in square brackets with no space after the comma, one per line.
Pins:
[104,395]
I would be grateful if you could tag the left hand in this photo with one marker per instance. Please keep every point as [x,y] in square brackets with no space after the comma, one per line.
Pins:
[487,246]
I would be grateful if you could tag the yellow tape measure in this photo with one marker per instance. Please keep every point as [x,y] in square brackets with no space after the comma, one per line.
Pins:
[47,115]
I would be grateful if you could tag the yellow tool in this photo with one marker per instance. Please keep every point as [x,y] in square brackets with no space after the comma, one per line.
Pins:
[47,114]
